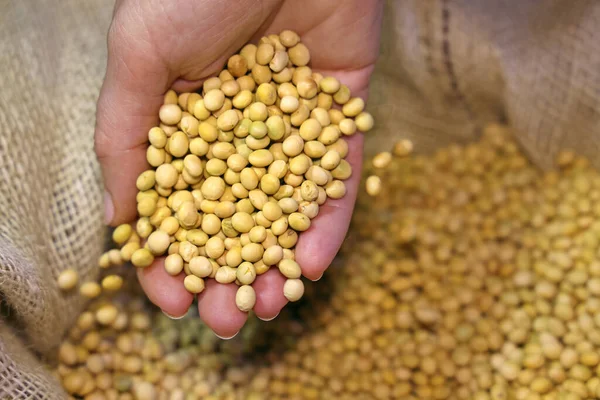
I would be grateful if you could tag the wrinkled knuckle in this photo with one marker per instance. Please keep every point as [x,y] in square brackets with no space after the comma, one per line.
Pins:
[120,30]
[114,35]
[101,144]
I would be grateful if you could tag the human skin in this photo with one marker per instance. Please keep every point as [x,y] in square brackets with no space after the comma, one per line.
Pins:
[155,45]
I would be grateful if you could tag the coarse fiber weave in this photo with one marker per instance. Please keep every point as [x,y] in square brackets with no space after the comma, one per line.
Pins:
[447,67]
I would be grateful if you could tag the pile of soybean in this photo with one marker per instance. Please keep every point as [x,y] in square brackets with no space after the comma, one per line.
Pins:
[470,275]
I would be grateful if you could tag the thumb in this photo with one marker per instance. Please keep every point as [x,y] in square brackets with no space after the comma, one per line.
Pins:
[130,97]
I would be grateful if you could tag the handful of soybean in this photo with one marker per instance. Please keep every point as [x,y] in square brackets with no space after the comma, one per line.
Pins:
[239,170]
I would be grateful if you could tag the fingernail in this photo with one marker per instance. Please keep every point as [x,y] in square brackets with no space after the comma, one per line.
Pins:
[227,338]
[319,278]
[172,316]
[268,319]
[109,208]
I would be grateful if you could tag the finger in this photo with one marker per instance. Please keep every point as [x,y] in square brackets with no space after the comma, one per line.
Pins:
[269,294]
[318,245]
[165,291]
[127,108]
[216,306]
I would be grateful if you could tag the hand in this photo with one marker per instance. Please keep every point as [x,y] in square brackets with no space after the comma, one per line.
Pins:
[155,45]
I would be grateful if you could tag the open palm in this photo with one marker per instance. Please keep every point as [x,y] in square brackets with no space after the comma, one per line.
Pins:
[156,45]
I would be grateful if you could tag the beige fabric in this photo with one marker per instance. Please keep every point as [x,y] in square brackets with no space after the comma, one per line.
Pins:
[52,58]
[446,68]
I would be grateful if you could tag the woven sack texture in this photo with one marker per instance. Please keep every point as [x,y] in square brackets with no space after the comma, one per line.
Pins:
[447,67]
[53,56]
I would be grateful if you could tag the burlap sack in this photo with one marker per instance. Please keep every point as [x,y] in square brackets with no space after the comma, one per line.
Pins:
[447,67]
